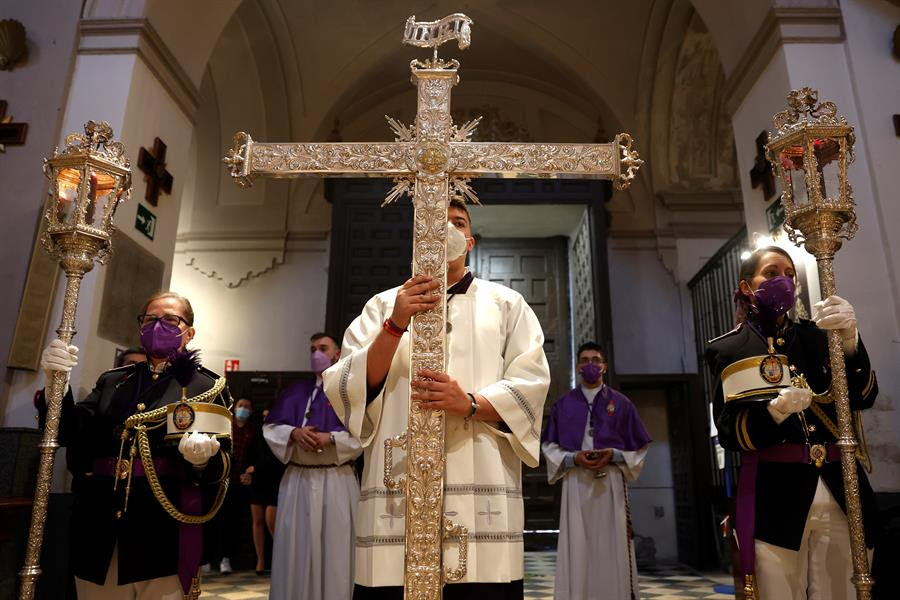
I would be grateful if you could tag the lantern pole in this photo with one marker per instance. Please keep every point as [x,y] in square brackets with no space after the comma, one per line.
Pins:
[805,134]
[76,242]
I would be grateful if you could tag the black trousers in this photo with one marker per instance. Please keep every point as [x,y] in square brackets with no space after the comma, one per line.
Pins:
[514,590]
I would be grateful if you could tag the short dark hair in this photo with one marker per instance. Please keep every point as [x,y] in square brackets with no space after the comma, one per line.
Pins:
[321,334]
[459,204]
[120,357]
[748,269]
[591,346]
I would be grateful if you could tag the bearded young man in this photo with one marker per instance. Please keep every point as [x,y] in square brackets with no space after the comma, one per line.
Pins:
[492,394]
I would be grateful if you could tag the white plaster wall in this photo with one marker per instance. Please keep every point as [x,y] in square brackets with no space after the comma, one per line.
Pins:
[653,321]
[652,495]
[865,267]
[648,330]
[875,74]
[266,321]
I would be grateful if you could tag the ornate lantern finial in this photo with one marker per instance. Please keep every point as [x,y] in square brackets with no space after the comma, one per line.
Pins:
[810,150]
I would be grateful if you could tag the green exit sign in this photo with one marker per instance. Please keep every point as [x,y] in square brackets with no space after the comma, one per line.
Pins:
[145,221]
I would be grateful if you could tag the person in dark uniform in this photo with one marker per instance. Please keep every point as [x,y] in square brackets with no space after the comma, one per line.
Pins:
[224,531]
[124,544]
[263,475]
[773,403]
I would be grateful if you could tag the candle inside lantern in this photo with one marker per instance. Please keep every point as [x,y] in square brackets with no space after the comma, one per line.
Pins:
[67,194]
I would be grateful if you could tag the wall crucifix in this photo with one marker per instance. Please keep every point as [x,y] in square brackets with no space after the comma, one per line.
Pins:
[431,160]
[153,164]
[761,174]
[10,133]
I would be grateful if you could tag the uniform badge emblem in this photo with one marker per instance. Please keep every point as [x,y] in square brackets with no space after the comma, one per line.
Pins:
[771,369]
[611,408]
[817,454]
[183,416]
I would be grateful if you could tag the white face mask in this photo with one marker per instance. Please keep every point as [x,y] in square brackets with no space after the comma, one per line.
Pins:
[457,243]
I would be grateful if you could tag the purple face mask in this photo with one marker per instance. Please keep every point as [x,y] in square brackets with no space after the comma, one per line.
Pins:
[160,339]
[319,361]
[591,373]
[774,297]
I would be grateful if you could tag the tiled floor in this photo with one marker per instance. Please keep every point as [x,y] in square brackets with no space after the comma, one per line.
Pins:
[657,583]
[670,582]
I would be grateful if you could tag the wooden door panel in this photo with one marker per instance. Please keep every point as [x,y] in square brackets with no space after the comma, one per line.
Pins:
[537,269]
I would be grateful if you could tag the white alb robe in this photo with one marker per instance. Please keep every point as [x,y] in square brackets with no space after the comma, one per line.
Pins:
[312,553]
[495,349]
[593,552]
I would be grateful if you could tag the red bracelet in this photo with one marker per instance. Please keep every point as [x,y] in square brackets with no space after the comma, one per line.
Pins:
[393,329]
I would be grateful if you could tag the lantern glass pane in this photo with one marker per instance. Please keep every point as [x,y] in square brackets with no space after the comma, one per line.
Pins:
[102,191]
[795,174]
[67,181]
[827,152]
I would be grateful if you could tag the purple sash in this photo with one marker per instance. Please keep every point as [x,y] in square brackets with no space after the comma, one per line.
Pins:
[745,519]
[190,537]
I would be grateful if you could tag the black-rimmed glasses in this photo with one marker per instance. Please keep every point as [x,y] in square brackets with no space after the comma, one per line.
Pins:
[167,318]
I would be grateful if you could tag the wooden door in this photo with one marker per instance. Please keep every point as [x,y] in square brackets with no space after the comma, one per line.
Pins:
[537,268]
[371,247]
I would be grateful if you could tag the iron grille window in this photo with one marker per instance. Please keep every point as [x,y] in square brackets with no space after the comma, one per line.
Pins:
[712,291]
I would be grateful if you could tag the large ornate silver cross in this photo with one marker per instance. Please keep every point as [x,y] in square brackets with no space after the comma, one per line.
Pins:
[431,161]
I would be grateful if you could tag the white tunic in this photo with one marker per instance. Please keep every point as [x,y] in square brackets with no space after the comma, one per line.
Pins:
[593,553]
[495,349]
[312,553]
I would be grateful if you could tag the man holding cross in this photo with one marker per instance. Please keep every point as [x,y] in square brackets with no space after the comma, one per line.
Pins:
[492,395]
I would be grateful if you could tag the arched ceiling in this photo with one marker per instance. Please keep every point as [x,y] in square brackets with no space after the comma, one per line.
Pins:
[576,72]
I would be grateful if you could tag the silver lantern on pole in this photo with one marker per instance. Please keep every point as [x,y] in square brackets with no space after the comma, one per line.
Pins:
[89,178]
[811,150]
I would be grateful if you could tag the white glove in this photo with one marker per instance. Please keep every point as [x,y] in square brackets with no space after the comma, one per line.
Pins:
[836,313]
[58,357]
[789,400]
[196,447]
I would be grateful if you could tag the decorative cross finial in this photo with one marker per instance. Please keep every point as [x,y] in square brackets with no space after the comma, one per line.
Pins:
[431,34]
[803,105]
[98,133]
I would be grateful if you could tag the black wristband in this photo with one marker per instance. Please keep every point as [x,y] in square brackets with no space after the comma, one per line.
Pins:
[473,405]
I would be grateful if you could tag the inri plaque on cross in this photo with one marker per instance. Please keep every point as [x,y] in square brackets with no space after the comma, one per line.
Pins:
[431,160]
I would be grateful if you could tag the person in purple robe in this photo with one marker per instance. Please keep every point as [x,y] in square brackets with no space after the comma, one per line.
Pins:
[595,443]
[312,555]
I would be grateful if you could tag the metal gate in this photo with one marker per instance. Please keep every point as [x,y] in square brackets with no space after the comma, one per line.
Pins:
[712,293]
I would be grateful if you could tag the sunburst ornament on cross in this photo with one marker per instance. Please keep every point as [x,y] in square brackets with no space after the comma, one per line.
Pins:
[432,160]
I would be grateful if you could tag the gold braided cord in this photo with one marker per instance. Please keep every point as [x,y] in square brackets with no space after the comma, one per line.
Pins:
[157,414]
[212,392]
[160,494]
[862,450]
